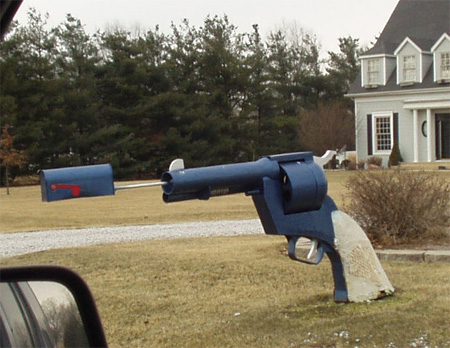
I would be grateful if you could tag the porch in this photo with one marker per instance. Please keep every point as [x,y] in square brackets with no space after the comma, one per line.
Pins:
[435,128]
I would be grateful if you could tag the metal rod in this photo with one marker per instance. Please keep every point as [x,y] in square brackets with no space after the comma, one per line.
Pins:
[159,183]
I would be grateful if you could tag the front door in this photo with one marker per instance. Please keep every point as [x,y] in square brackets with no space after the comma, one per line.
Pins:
[442,136]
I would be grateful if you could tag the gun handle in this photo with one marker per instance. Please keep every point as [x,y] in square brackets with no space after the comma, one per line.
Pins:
[358,274]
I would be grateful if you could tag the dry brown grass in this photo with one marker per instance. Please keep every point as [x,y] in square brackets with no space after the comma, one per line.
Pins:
[242,292]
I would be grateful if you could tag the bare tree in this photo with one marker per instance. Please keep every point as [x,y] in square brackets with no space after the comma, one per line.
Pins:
[9,156]
[329,126]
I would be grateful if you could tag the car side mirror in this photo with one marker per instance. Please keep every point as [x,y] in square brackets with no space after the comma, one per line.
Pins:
[47,306]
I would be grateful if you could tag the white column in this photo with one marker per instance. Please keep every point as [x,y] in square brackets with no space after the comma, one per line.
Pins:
[416,134]
[430,143]
[356,133]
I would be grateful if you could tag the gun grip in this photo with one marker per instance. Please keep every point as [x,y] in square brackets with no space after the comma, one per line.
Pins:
[355,260]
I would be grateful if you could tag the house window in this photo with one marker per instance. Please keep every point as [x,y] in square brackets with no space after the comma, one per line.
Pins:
[409,68]
[445,65]
[373,71]
[383,135]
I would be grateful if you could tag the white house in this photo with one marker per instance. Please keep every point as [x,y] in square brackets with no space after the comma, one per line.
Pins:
[402,93]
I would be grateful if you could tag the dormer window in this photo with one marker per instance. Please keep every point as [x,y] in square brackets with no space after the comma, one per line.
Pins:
[445,65]
[373,71]
[376,69]
[441,59]
[409,68]
[413,62]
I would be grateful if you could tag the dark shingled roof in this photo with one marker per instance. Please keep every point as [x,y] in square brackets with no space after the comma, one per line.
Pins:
[423,21]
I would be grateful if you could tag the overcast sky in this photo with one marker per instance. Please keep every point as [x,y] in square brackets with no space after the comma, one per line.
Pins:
[327,19]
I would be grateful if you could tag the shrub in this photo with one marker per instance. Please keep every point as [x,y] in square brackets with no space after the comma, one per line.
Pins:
[351,166]
[395,157]
[400,206]
[350,163]
[375,160]
[361,164]
[26,180]
[352,157]
[332,163]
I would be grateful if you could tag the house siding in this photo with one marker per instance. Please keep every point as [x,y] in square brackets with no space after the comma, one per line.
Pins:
[444,46]
[370,107]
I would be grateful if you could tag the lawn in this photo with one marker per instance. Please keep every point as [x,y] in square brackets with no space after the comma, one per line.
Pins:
[244,292]
[225,291]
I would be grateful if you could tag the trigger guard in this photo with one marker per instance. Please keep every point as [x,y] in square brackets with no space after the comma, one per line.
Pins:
[292,255]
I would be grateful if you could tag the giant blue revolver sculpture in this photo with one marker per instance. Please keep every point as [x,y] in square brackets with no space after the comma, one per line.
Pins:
[290,195]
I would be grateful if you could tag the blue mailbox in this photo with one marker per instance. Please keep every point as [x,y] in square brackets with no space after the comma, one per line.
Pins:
[76,182]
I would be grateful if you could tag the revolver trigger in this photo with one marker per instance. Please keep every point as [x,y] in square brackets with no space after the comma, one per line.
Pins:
[313,250]
[297,251]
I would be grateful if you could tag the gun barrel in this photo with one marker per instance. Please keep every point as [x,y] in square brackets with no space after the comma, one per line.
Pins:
[206,182]
[302,183]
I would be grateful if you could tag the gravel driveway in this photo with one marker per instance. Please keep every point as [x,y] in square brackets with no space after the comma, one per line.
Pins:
[12,244]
